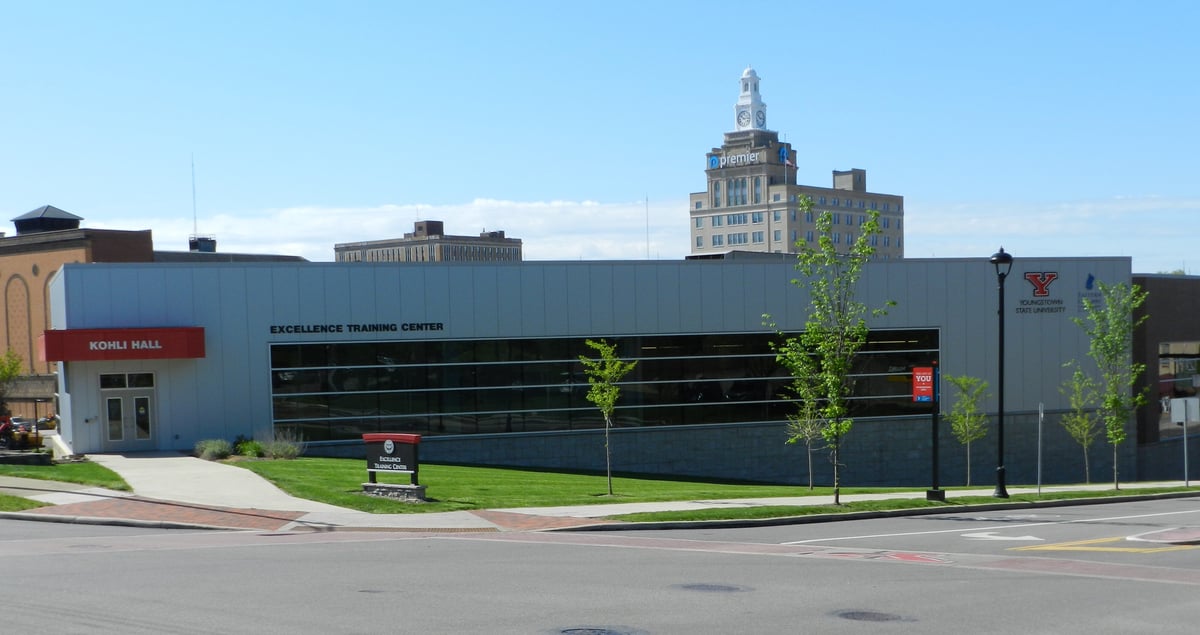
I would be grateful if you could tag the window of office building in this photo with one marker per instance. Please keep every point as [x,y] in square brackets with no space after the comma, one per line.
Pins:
[699,241]
[699,222]
[776,236]
[756,217]
[717,220]
[756,237]
[718,240]
[716,199]
[329,391]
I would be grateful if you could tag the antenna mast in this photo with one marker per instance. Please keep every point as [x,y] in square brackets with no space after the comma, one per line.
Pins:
[195,226]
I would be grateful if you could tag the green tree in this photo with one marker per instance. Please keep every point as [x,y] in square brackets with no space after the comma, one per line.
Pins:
[11,366]
[603,375]
[1109,325]
[1080,422]
[820,358]
[968,422]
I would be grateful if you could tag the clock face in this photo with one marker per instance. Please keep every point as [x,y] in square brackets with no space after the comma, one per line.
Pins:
[761,118]
[743,118]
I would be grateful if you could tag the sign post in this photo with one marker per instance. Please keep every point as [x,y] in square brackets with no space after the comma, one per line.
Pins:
[1183,411]
[395,454]
[925,390]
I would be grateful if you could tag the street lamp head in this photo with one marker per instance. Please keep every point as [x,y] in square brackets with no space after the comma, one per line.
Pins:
[1002,261]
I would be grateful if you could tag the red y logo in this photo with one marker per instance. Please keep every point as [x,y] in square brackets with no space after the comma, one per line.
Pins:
[1041,282]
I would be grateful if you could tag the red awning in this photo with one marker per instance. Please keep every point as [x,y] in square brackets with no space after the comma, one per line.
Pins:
[81,345]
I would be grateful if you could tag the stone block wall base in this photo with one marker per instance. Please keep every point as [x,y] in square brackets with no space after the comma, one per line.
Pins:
[407,493]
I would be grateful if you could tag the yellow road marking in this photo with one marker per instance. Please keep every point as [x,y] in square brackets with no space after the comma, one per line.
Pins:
[1093,545]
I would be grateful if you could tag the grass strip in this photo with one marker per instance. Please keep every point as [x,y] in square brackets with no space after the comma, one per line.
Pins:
[82,472]
[17,504]
[885,505]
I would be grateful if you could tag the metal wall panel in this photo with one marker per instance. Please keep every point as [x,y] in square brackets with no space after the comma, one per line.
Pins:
[237,303]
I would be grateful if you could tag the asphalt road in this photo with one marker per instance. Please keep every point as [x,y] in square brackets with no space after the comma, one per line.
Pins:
[1062,570]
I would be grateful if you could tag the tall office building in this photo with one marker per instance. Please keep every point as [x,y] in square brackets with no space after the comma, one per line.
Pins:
[751,203]
[428,242]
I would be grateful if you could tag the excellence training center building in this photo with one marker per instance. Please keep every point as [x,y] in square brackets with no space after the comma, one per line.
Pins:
[482,360]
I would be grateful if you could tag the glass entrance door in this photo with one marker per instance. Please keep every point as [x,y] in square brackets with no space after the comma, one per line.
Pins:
[129,422]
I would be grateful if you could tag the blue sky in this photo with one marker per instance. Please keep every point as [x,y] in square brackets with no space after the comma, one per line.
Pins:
[1051,128]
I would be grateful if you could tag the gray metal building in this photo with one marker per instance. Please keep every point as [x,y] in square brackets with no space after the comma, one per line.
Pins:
[482,359]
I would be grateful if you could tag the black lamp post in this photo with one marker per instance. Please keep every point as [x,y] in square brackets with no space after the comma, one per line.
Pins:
[1003,263]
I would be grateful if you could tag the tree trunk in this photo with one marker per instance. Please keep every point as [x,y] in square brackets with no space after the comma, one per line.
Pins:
[608,453]
[837,477]
[968,463]
[1116,483]
[809,453]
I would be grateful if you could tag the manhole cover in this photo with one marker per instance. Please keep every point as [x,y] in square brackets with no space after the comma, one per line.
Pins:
[871,616]
[600,630]
[713,588]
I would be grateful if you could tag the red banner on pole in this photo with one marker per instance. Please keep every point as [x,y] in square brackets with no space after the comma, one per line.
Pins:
[922,383]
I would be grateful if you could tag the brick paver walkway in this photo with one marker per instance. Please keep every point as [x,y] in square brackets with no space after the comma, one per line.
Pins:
[168,511]
[509,521]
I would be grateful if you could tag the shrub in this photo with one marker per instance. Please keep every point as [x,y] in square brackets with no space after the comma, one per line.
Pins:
[286,445]
[213,449]
[249,447]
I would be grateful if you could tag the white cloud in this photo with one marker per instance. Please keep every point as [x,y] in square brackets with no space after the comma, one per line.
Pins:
[1156,232]
[550,230]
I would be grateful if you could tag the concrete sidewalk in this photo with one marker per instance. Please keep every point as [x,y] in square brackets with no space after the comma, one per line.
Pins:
[173,490]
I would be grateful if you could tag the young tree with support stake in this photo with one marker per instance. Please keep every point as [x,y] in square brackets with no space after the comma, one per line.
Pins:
[603,375]
[1110,328]
[968,422]
[836,329]
[1080,421]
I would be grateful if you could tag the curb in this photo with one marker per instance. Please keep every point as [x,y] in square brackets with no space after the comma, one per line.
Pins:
[867,515]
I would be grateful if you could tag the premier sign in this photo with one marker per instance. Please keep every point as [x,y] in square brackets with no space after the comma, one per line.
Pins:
[720,161]
[82,345]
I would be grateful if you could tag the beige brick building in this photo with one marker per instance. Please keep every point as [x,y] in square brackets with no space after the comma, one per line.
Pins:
[751,200]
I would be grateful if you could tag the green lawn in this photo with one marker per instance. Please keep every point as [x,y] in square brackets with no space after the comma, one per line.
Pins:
[339,482]
[83,473]
[17,504]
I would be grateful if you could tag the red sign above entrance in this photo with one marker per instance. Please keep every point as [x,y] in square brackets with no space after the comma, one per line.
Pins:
[84,345]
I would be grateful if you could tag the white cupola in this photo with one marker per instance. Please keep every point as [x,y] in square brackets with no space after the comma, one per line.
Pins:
[750,113]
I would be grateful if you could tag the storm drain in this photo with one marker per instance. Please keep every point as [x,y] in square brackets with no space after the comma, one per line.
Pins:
[872,616]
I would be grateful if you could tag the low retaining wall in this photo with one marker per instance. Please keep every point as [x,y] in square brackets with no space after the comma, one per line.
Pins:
[877,452]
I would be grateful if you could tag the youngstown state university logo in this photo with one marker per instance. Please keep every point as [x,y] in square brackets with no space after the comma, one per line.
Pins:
[1041,282]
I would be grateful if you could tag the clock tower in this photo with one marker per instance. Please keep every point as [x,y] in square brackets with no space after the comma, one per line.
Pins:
[750,113]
